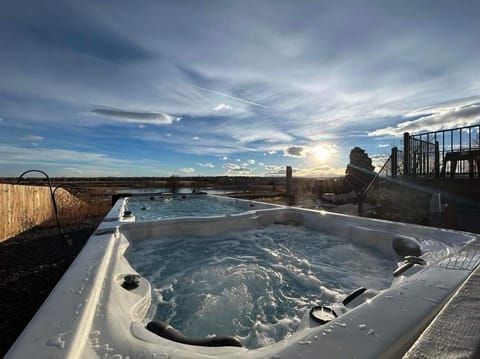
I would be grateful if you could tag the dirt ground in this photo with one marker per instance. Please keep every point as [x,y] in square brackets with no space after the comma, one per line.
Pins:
[30,266]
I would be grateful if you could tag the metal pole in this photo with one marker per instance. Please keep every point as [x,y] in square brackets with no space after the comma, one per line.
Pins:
[406,154]
[437,160]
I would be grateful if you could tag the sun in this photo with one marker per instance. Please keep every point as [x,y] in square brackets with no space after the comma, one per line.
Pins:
[322,152]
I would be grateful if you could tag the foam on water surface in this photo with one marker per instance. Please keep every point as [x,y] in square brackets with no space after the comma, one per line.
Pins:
[254,284]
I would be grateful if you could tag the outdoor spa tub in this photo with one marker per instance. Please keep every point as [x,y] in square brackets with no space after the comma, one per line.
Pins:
[261,281]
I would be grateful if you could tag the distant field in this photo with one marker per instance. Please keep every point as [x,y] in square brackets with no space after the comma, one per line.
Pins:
[105,187]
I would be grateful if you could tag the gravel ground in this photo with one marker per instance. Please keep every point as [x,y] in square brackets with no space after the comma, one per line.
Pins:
[31,264]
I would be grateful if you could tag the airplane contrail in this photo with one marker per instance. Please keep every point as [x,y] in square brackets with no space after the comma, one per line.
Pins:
[232,97]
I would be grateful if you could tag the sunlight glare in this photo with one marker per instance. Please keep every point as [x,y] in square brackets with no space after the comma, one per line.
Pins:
[322,152]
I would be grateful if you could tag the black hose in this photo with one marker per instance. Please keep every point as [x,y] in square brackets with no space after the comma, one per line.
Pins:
[55,208]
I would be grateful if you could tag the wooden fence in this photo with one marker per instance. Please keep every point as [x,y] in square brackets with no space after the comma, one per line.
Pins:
[23,207]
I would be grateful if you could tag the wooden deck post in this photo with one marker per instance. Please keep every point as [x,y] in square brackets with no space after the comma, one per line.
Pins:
[289,185]
[394,158]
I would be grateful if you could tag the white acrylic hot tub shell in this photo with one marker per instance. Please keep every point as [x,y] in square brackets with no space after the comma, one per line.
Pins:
[89,315]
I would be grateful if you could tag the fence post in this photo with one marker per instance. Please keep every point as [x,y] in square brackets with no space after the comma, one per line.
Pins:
[289,185]
[437,160]
[394,158]
[406,154]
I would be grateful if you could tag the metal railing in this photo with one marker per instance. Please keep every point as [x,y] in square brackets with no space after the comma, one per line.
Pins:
[454,151]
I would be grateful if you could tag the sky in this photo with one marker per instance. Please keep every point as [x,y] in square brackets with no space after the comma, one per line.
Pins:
[192,88]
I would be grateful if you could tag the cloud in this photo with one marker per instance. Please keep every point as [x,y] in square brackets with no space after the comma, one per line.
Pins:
[154,118]
[383,145]
[272,152]
[208,164]
[378,160]
[273,167]
[33,138]
[251,162]
[74,28]
[60,162]
[442,118]
[295,151]
[188,170]
[73,170]
[260,134]
[222,107]
[236,169]
[274,170]
[322,171]
[224,158]
[328,77]
[13,154]
[233,97]
[445,106]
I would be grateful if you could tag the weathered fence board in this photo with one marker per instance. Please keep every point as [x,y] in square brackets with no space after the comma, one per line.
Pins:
[23,207]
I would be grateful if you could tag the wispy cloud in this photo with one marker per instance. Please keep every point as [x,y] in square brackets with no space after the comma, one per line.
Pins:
[51,155]
[263,135]
[245,88]
[444,106]
[222,107]
[232,168]
[154,118]
[322,171]
[232,97]
[33,138]
[56,161]
[208,164]
[88,36]
[437,118]
[188,170]
[75,170]
[271,170]
[378,160]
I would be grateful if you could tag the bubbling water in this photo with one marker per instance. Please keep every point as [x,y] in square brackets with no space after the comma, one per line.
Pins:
[178,206]
[255,284]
